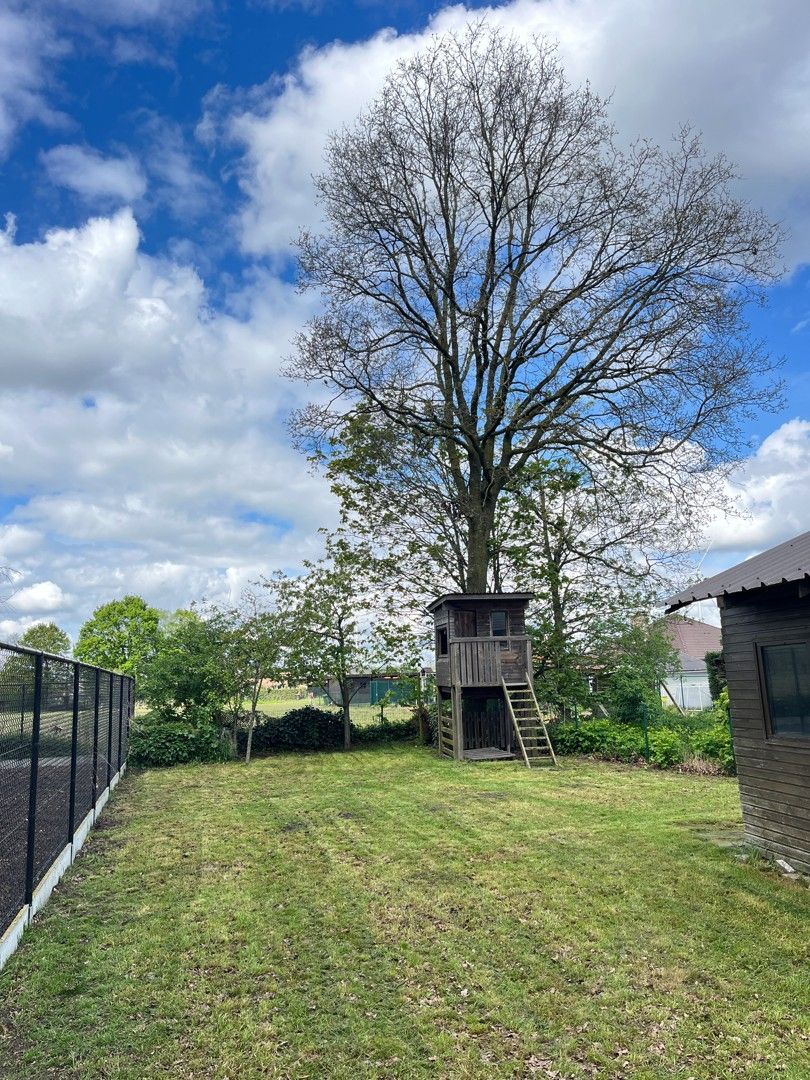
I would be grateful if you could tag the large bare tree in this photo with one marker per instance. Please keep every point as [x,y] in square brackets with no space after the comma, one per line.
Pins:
[501,277]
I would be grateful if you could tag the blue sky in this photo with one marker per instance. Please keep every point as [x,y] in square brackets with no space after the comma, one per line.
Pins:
[155,162]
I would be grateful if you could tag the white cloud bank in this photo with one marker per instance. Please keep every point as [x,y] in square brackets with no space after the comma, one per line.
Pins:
[146,432]
[739,70]
[27,45]
[143,431]
[41,598]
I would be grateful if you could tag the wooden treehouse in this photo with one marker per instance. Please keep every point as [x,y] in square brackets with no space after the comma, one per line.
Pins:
[485,691]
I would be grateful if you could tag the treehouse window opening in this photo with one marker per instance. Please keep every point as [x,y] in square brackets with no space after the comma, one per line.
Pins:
[498,623]
[441,641]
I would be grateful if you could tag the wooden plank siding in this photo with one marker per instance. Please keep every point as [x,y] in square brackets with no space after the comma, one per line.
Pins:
[774,772]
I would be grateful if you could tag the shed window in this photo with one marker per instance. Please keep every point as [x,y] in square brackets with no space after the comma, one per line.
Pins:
[441,641]
[499,623]
[787,687]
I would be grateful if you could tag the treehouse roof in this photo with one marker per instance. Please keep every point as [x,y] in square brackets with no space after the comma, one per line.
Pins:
[451,598]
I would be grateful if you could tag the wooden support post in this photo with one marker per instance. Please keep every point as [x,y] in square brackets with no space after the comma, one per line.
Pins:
[458,724]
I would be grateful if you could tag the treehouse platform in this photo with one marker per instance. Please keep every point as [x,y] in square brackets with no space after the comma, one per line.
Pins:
[485,694]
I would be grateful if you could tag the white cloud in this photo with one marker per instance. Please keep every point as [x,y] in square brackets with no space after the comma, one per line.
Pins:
[738,70]
[16,540]
[27,45]
[175,181]
[92,175]
[769,487]
[145,428]
[147,431]
[38,599]
[83,310]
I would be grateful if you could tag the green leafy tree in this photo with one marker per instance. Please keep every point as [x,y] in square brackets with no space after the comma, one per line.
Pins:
[121,635]
[334,614]
[46,637]
[254,640]
[634,655]
[185,673]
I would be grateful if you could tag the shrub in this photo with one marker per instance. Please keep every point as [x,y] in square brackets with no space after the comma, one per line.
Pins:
[666,748]
[715,744]
[391,731]
[629,695]
[669,745]
[309,728]
[306,728]
[716,671]
[616,742]
[161,738]
[431,714]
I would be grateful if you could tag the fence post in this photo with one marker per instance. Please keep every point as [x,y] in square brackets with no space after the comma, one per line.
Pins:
[74,749]
[109,733]
[32,790]
[120,718]
[96,697]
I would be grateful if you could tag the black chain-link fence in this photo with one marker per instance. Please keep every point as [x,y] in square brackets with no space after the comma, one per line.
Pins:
[63,739]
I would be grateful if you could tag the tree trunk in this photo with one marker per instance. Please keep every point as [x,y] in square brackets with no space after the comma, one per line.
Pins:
[254,701]
[345,704]
[481,524]
[249,746]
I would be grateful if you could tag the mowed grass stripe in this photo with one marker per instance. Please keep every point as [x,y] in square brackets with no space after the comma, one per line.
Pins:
[387,913]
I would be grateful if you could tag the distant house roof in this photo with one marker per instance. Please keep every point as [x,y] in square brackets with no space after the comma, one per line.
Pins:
[692,640]
[785,562]
[478,596]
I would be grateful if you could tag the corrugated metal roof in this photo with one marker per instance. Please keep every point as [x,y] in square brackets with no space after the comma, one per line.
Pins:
[785,562]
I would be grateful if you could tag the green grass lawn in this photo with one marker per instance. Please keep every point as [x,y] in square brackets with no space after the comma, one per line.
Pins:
[385,913]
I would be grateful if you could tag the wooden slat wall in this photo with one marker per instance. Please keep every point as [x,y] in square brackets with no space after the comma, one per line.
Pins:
[482,729]
[774,776]
[475,662]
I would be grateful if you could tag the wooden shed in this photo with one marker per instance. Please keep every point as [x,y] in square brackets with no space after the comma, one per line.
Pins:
[765,617]
[487,708]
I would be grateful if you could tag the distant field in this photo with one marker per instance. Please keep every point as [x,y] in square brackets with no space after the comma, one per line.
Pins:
[273,704]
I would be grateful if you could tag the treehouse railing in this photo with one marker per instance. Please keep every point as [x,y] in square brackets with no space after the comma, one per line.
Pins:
[485,661]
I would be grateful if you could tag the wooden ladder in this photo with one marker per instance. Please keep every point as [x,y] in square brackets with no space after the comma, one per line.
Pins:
[527,720]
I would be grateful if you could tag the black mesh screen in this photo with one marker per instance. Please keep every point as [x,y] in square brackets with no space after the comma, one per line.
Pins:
[116,723]
[102,705]
[84,746]
[53,781]
[16,713]
[104,772]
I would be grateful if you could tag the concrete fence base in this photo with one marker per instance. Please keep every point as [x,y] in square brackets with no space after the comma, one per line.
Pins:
[13,934]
